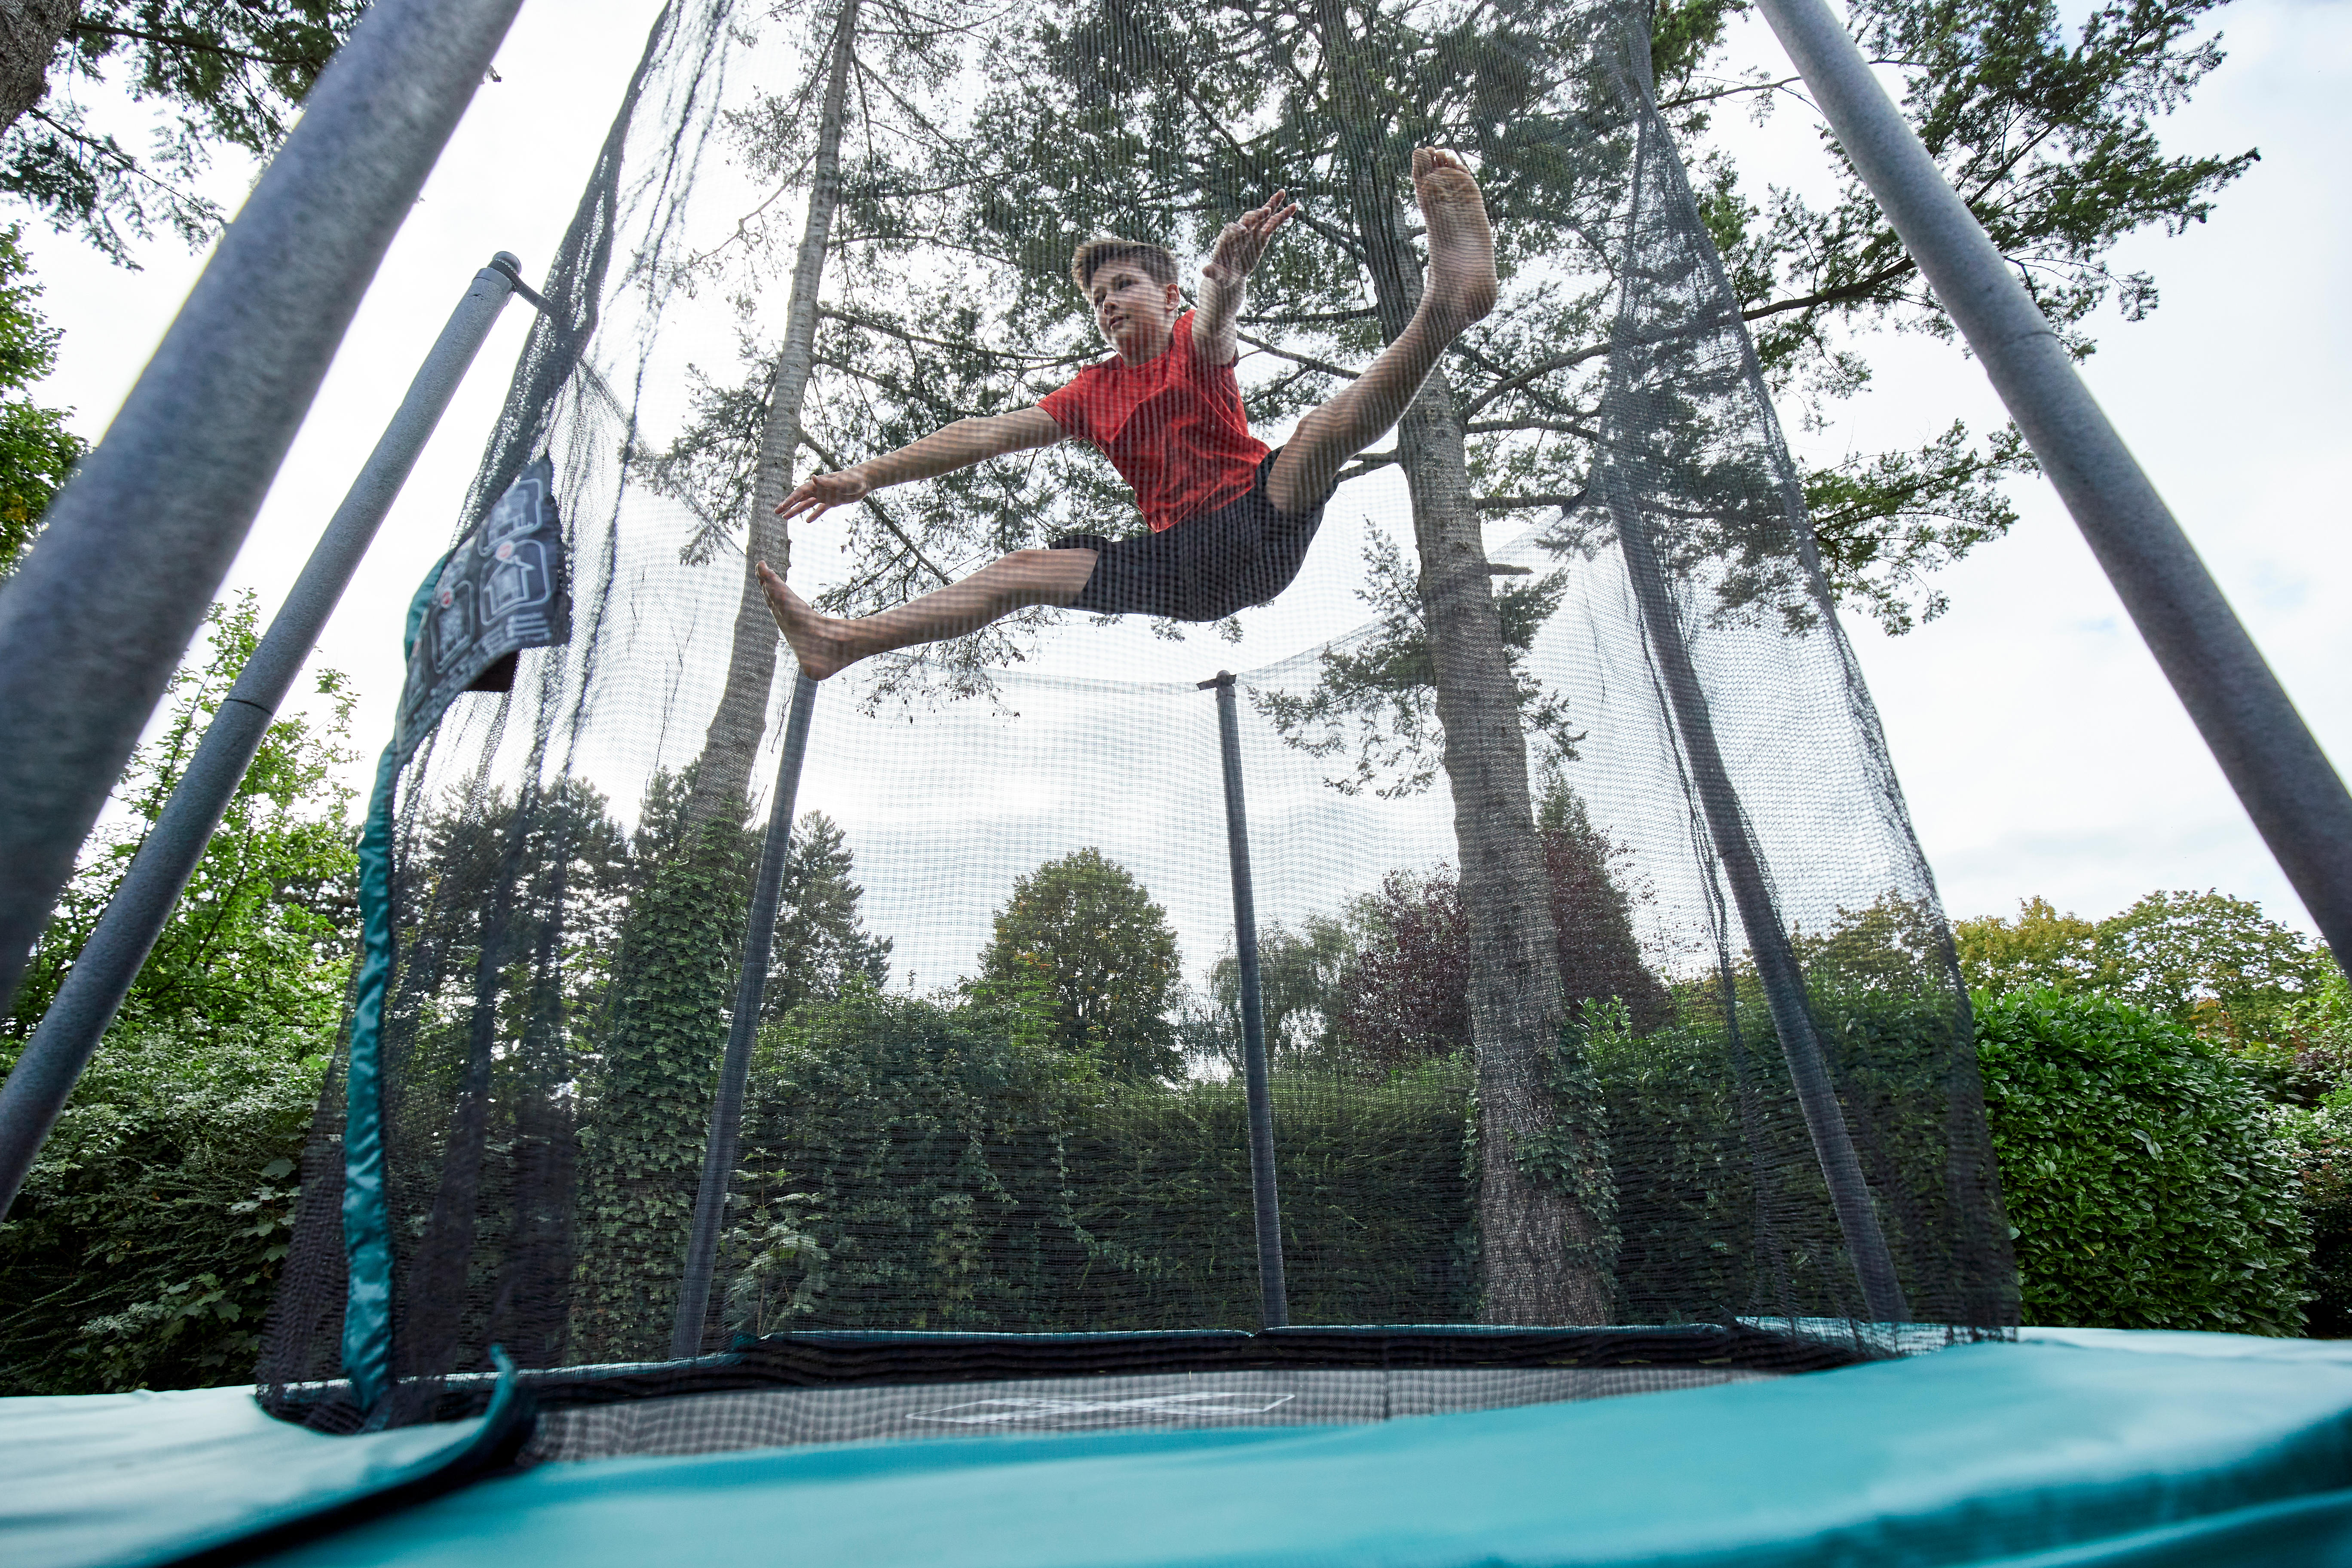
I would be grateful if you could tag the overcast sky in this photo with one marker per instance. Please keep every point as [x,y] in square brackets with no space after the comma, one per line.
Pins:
[2042,751]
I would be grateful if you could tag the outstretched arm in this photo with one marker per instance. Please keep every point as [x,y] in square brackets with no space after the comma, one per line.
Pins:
[959,446]
[1239,246]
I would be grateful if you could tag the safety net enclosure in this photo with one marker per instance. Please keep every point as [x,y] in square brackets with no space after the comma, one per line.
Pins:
[1601,1013]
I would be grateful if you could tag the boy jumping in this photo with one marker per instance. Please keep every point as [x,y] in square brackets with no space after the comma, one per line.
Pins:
[1230,520]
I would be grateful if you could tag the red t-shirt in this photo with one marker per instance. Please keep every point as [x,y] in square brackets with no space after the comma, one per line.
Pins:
[1172,427]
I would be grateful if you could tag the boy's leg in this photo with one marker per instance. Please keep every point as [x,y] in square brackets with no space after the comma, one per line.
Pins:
[825,644]
[1459,289]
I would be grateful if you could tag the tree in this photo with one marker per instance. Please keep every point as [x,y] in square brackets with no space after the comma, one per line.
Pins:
[2046,136]
[2210,961]
[1404,994]
[259,944]
[2214,963]
[37,450]
[1300,974]
[146,1244]
[821,941]
[2041,950]
[1089,931]
[219,74]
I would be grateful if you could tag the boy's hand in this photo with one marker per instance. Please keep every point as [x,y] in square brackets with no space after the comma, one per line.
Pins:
[822,492]
[1244,241]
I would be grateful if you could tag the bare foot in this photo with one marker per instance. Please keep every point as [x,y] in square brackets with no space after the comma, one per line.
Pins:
[820,642]
[1461,285]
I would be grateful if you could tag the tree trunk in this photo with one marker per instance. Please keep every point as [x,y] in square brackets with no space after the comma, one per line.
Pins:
[30,31]
[732,740]
[1546,1247]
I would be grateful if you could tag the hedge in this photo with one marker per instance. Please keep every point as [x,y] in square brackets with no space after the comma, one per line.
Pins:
[2144,1179]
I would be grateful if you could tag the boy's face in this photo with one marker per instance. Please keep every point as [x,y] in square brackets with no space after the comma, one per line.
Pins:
[1136,315]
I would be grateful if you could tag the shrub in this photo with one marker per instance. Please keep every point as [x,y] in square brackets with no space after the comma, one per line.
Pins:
[910,1164]
[144,1248]
[2146,1181]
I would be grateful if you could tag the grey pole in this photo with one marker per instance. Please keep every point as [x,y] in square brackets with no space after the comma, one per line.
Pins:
[70,1031]
[1274,1301]
[136,544]
[2267,751]
[742,1030]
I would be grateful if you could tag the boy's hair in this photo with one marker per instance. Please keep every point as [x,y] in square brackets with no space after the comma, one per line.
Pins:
[1157,264]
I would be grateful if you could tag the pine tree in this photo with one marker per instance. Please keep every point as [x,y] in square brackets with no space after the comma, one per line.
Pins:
[822,945]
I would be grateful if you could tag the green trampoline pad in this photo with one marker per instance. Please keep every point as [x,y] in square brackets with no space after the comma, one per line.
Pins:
[2074,1449]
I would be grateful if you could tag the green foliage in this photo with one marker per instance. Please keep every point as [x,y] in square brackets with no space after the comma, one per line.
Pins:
[1089,930]
[1301,979]
[2214,963]
[1571,1153]
[145,1246]
[218,74]
[2043,122]
[2041,949]
[260,944]
[912,1164]
[822,944]
[2320,1142]
[2145,1180]
[924,1154]
[37,450]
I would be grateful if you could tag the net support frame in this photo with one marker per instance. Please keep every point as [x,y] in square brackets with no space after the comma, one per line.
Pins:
[742,1033]
[1776,970]
[76,1021]
[87,647]
[2296,799]
[1274,1301]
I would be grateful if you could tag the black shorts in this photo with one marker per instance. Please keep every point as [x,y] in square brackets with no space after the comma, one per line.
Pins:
[1203,569]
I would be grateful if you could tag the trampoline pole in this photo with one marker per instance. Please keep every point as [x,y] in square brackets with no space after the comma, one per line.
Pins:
[95,621]
[743,1032]
[76,1019]
[1274,1304]
[2296,800]
[1768,943]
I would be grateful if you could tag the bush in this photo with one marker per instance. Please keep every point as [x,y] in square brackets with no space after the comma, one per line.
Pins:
[144,1248]
[2146,1181]
[909,1164]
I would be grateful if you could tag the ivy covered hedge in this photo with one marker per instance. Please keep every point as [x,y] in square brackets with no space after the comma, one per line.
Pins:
[2145,1178]
[909,1163]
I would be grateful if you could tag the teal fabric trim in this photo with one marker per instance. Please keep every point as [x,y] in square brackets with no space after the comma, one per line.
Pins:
[367,1222]
[2019,1456]
[139,1480]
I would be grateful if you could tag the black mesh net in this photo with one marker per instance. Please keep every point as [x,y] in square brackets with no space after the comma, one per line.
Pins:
[1607,1008]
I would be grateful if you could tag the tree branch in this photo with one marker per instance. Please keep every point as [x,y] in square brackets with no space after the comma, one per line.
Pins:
[1843,294]
[1528,503]
[873,506]
[1534,372]
[194,44]
[1309,361]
